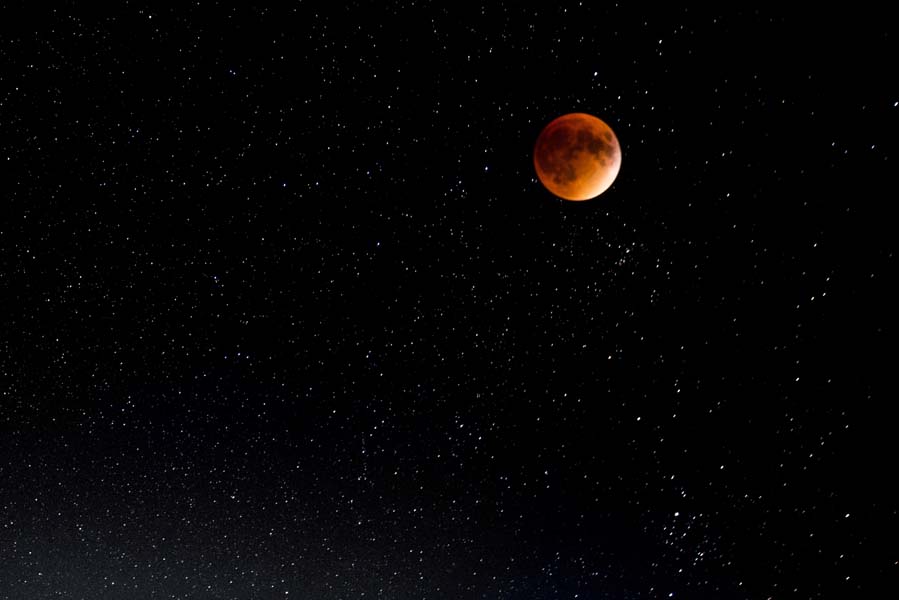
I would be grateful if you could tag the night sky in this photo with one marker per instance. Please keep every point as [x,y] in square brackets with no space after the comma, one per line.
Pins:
[287,313]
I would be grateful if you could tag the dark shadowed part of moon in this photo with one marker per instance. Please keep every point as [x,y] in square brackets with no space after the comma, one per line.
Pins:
[560,147]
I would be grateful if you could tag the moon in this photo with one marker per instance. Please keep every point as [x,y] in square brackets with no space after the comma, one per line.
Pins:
[577,156]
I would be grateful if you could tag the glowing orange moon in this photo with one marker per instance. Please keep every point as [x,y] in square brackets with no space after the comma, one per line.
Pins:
[577,156]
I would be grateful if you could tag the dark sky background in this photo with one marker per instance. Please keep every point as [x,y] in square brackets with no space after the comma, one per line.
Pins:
[287,313]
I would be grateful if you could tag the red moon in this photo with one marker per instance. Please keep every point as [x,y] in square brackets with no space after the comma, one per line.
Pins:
[577,156]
